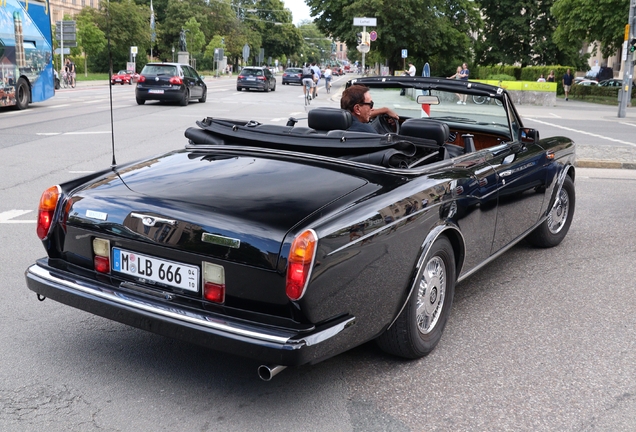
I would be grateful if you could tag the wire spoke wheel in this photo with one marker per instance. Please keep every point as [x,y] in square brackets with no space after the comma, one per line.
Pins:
[431,295]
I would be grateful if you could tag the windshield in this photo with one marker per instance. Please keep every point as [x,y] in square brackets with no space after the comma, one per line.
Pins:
[252,72]
[453,108]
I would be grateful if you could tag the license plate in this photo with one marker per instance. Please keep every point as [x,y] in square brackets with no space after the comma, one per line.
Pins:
[158,270]
[251,79]
[117,79]
[155,91]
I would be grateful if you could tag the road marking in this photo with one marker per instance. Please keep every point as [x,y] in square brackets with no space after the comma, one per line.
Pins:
[583,132]
[277,119]
[86,133]
[81,172]
[554,115]
[59,106]
[7,216]
[49,133]
[96,100]
[628,124]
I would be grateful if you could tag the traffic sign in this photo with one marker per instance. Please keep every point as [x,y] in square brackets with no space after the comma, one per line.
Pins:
[246,51]
[405,53]
[363,48]
[369,22]
[373,35]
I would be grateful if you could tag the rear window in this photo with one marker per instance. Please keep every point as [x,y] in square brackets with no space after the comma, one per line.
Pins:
[160,70]
[294,71]
[252,72]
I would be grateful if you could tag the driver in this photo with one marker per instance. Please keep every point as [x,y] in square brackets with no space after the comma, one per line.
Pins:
[357,100]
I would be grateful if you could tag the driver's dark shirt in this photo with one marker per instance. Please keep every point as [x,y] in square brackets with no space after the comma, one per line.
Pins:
[358,126]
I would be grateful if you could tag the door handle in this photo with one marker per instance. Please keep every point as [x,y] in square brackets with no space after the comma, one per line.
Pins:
[505,173]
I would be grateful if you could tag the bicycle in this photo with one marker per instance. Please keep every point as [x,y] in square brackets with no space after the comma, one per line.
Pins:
[480,100]
[328,85]
[67,80]
[308,88]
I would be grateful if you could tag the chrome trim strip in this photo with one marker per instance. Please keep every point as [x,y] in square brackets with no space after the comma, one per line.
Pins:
[172,312]
[152,220]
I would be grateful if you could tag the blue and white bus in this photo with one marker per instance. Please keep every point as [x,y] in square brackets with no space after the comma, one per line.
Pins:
[26,53]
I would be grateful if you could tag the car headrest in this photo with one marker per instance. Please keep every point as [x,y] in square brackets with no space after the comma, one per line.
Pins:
[327,119]
[426,128]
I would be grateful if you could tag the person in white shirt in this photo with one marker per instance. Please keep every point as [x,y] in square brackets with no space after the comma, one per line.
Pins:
[327,73]
[411,69]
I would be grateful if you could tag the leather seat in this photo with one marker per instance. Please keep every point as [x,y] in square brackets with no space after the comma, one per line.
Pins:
[426,128]
[328,119]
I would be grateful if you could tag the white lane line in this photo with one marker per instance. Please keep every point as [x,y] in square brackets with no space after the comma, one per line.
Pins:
[95,101]
[628,124]
[86,133]
[295,113]
[583,132]
[7,216]
[554,115]
[81,172]
[49,133]
[59,106]
[277,119]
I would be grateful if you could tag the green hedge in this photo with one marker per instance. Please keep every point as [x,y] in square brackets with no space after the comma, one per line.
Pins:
[581,91]
[529,73]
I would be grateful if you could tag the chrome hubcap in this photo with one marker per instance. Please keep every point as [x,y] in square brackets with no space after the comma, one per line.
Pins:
[559,213]
[431,294]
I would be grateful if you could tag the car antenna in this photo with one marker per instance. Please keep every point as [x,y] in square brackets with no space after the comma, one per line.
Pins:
[110,87]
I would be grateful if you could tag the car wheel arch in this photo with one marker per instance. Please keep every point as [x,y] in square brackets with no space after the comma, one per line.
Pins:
[456,239]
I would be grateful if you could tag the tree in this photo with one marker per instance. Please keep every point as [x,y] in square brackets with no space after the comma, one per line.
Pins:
[519,31]
[431,30]
[586,21]
[194,35]
[89,37]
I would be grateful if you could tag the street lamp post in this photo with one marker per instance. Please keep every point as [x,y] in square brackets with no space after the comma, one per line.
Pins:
[172,54]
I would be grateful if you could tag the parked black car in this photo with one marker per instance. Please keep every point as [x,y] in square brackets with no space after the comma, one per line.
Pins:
[170,82]
[291,244]
[293,76]
[258,78]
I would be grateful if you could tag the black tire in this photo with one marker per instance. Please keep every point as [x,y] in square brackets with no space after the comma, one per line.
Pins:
[239,89]
[267,88]
[129,83]
[57,83]
[140,101]
[22,94]
[185,99]
[479,100]
[274,89]
[421,323]
[556,226]
[204,97]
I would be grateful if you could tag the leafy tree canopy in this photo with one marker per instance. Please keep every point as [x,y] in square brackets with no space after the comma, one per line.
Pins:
[585,21]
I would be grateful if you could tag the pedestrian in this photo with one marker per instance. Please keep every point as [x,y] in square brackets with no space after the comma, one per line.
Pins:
[463,75]
[567,83]
[541,79]
[411,71]
[457,76]
[550,77]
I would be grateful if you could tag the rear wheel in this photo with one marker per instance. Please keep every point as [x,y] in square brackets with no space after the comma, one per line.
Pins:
[274,89]
[204,97]
[22,94]
[479,99]
[185,99]
[556,226]
[140,101]
[419,327]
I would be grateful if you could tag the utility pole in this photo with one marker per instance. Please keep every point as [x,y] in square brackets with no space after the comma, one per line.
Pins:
[625,93]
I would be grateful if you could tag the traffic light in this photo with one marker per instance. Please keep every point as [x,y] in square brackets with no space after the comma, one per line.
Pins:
[632,45]
[359,36]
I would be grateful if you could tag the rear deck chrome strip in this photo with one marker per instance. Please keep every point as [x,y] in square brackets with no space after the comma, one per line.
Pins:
[209,321]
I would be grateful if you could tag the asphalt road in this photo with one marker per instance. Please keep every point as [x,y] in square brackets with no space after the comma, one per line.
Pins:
[539,340]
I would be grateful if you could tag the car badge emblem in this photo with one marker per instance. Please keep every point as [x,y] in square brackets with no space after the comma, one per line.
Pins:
[151,221]
[220,240]
[156,78]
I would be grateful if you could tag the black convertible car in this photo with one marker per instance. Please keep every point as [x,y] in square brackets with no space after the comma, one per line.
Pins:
[291,244]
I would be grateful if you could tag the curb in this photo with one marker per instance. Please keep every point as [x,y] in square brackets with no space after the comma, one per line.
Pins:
[590,163]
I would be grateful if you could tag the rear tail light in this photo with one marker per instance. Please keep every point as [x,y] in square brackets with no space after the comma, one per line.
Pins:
[300,263]
[213,282]
[241,77]
[141,78]
[176,80]
[46,209]
[101,249]
[262,78]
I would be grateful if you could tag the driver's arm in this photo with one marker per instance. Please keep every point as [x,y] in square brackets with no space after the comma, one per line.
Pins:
[382,111]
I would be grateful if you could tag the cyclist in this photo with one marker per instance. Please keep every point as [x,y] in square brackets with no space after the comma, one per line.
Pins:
[316,70]
[308,79]
[327,74]
[69,68]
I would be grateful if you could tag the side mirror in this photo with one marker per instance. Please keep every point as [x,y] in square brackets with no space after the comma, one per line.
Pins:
[528,136]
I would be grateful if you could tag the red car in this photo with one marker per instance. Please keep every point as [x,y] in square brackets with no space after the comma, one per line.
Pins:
[124,77]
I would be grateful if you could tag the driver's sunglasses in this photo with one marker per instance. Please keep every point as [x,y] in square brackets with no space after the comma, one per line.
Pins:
[367,103]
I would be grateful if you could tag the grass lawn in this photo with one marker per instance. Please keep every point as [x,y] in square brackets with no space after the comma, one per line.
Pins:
[91,77]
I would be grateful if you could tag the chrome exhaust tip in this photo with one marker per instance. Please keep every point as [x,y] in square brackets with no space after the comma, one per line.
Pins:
[267,372]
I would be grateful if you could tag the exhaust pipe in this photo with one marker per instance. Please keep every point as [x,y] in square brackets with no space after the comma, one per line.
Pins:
[267,372]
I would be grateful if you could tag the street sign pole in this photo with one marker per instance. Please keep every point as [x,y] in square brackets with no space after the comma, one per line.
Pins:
[364,22]
[628,72]
[364,30]
[61,45]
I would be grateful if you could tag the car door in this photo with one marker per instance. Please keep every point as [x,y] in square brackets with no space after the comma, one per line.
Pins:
[521,180]
[191,82]
[269,78]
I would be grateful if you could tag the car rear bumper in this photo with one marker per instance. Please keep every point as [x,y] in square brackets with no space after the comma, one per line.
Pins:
[261,85]
[241,337]
[169,94]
